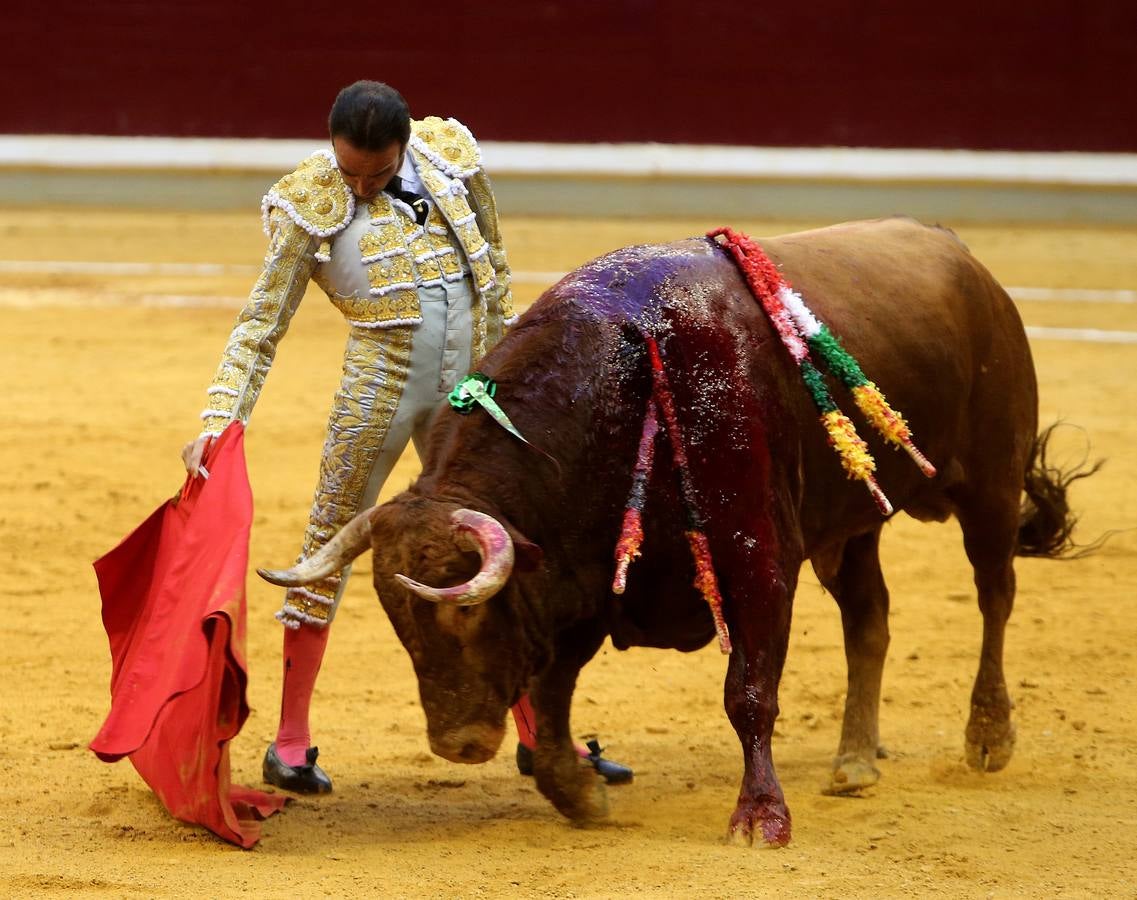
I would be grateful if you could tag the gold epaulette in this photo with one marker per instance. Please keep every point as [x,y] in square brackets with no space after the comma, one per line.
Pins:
[314,196]
[448,144]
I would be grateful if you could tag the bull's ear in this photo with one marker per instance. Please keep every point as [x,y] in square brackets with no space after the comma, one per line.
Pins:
[527,556]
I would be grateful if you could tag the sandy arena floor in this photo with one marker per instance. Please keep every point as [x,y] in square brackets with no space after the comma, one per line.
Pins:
[104,374]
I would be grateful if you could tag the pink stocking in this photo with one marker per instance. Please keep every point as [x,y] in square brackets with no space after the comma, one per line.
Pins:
[526,721]
[303,652]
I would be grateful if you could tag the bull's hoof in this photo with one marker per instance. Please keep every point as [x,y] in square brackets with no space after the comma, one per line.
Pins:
[988,748]
[574,789]
[762,824]
[593,805]
[587,805]
[851,774]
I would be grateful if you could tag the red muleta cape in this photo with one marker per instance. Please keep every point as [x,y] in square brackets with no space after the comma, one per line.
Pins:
[173,597]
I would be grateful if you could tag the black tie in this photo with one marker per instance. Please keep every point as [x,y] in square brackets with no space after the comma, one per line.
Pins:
[414,201]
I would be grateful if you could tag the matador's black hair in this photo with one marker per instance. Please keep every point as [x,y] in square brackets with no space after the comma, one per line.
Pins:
[370,115]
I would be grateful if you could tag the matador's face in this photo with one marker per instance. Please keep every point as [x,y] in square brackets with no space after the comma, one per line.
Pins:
[367,172]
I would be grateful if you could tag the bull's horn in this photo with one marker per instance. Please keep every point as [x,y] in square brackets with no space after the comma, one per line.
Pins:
[352,539]
[473,531]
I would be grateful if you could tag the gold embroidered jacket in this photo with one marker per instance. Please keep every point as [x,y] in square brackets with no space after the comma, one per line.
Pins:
[304,213]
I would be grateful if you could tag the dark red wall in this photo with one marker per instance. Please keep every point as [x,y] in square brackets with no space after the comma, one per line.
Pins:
[1053,75]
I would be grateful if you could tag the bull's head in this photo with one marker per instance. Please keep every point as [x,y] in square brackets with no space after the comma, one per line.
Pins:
[444,574]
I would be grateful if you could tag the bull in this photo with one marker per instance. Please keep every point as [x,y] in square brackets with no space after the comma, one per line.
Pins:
[495,566]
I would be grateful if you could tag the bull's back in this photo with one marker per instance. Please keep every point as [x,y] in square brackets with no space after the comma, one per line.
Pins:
[892,283]
[885,277]
[936,332]
[910,301]
[928,324]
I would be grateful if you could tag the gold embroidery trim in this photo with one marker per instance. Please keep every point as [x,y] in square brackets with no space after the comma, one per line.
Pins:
[249,352]
[314,196]
[400,307]
[448,144]
[401,256]
[376,365]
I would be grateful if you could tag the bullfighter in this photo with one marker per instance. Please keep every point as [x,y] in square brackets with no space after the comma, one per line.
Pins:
[397,224]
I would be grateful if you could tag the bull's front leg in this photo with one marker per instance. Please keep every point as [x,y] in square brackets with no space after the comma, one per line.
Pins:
[760,635]
[571,785]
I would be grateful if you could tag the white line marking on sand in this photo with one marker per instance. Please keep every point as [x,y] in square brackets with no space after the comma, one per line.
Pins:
[1081,335]
[14,298]
[1071,295]
[100,267]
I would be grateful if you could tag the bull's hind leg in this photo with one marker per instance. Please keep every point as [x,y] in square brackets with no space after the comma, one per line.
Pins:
[990,528]
[852,575]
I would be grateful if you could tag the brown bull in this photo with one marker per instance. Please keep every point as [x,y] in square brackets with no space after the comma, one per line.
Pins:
[929,325]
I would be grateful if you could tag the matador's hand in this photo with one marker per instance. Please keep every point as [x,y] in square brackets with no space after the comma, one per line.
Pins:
[192,452]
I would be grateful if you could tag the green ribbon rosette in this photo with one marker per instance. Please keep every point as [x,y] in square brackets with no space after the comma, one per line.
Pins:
[478,389]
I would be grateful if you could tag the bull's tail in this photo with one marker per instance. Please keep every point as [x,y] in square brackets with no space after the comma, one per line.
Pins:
[349,542]
[1046,523]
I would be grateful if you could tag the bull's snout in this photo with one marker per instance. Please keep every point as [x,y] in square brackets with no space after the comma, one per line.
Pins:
[475,743]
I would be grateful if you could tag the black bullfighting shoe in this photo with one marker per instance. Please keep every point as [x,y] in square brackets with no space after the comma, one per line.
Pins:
[524,759]
[612,772]
[306,779]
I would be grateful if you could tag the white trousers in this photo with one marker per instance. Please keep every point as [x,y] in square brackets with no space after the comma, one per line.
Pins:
[394,379]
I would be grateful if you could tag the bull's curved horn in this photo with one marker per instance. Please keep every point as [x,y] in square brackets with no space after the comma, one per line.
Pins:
[473,531]
[352,539]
